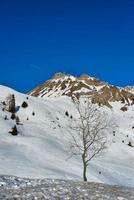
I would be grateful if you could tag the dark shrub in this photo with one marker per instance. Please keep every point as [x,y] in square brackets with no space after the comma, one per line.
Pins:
[3,103]
[5,118]
[66,113]
[130,144]
[124,108]
[14,131]
[13,116]
[24,104]
[17,120]
[33,113]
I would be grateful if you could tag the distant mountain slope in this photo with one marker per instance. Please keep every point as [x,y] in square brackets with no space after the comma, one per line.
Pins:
[99,91]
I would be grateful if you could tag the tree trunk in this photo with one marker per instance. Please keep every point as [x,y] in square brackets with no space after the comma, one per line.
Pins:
[84,168]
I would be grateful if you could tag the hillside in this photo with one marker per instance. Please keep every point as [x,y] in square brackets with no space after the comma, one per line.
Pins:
[40,150]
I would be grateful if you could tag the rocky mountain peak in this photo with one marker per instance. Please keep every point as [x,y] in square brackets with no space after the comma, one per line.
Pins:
[58,75]
[98,91]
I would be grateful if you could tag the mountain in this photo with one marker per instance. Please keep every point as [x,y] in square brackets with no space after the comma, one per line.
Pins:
[40,150]
[99,91]
[129,89]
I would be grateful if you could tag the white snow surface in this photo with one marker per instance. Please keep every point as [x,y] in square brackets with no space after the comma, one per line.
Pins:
[40,150]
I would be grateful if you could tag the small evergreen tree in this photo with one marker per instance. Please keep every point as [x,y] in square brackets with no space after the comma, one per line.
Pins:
[13,116]
[3,103]
[5,118]
[66,113]
[17,120]
[24,104]
[130,144]
[14,131]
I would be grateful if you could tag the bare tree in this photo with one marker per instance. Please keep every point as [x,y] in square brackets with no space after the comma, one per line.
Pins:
[88,133]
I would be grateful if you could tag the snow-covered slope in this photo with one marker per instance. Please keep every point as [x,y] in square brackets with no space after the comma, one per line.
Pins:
[41,148]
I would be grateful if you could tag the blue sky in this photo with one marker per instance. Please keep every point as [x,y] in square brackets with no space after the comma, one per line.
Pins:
[41,37]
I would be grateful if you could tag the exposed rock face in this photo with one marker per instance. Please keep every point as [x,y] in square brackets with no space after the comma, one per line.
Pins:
[98,91]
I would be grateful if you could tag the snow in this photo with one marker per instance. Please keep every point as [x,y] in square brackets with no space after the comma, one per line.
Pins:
[41,148]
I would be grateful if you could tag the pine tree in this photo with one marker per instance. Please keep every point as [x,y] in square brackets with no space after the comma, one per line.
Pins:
[24,104]
[14,131]
[10,103]
[17,120]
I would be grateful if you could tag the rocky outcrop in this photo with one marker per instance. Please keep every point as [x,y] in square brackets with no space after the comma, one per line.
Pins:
[100,100]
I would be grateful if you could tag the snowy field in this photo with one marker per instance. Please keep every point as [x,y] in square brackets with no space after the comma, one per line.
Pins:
[41,148]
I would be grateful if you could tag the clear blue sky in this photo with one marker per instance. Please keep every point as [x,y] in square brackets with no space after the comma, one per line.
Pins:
[41,37]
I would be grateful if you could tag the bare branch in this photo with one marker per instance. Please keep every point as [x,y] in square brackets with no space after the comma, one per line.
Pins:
[88,132]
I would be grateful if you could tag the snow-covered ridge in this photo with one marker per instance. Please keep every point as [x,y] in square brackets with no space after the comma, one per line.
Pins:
[40,149]
[129,89]
[99,91]
[62,84]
